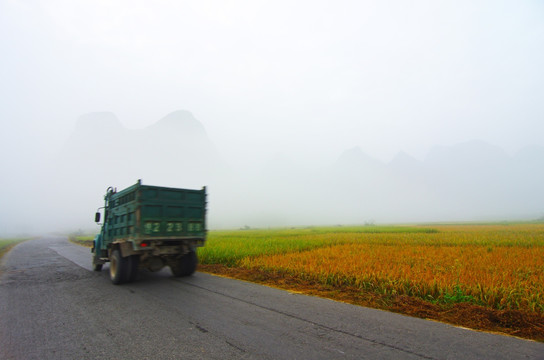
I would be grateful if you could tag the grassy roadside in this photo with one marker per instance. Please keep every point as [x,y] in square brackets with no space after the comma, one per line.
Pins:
[506,322]
[83,240]
[7,244]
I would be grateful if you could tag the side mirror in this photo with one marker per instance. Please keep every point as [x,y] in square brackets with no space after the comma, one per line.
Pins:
[97,217]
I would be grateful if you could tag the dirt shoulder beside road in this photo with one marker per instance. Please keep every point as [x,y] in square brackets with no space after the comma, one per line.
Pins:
[510,322]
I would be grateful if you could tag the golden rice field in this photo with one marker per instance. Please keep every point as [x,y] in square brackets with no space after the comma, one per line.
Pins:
[496,266]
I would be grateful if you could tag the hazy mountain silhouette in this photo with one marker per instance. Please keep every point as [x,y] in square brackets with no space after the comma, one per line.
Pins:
[179,122]
[470,180]
[101,152]
[175,146]
[94,134]
[467,181]
[354,159]
[403,163]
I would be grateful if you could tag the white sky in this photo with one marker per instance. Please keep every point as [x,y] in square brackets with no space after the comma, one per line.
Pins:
[305,78]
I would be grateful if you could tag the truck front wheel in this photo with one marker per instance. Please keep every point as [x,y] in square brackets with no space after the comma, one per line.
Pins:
[97,263]
[119,268]
[186,265]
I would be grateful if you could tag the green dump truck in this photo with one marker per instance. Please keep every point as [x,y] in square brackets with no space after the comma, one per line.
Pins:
[149,227]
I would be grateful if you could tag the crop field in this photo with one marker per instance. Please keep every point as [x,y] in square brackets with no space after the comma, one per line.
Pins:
[83,240]
[481,276]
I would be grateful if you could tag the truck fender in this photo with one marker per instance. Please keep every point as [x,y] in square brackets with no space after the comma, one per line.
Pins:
[97,243]
[126,249]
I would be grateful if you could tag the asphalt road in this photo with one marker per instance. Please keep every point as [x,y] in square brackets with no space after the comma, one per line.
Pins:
[52,306]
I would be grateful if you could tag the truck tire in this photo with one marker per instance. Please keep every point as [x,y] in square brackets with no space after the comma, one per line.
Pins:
[97,265]
[118,268]
[186,265]
[133,262]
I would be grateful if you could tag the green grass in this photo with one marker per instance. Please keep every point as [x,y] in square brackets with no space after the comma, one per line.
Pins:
[230,247]
[7,244]
[84,240]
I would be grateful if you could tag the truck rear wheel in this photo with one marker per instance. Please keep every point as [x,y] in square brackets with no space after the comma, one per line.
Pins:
[186,265]
[133,262]
[119,268]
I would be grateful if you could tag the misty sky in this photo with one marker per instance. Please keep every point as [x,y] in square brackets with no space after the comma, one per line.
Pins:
[303,77]
[306,79]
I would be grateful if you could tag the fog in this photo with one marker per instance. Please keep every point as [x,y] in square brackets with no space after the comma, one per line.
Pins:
[291,113]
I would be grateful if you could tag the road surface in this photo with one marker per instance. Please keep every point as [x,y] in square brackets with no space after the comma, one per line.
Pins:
[52,306]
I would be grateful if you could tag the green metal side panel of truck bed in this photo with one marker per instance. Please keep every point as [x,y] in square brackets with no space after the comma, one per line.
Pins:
[143,212]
